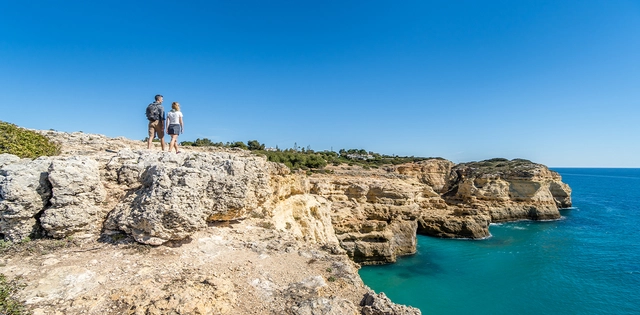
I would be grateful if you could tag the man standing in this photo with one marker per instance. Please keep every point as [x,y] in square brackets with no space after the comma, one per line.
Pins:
[155,115]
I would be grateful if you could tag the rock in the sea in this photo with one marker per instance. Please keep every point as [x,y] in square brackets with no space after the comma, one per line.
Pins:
[508,190]
[561,193]
[455,225]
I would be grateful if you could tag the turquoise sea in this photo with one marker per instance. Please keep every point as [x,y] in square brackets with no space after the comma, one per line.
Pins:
[586,263]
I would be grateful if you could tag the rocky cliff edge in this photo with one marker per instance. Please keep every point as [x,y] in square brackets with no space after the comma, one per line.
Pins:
[240,235]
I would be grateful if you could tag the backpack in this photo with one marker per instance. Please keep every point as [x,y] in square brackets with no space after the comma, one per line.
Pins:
[153,112]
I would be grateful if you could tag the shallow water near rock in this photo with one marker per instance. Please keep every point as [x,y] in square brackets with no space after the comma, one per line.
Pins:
[586,263]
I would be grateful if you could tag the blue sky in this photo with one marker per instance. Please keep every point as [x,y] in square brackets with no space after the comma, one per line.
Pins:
[556,82]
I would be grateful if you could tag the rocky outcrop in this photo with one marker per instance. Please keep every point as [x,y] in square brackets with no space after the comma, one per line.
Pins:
[375,218]
[56,196]
[379,304]
[77,196]
[432,172]
[25,192]
[6,159]
[172,196]
[509,190]
[307,218]
[459,223]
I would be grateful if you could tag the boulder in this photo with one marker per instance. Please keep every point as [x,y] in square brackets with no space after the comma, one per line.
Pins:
[172,196]
[6,159]
[379,304]
[77,194]
[25,192]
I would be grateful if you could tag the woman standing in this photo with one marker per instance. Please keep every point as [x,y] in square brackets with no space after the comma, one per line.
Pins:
[174,125]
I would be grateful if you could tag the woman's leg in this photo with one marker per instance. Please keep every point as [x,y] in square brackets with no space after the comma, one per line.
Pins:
[174,139]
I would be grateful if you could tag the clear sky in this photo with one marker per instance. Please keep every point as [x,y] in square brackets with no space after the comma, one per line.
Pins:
[556,82]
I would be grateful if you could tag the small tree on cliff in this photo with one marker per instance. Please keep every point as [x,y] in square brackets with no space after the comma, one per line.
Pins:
[255,145]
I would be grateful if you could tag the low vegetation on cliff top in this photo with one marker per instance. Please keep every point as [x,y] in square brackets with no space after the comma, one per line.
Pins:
[8,304]
[307,159]
[519,167]
[25,143]
[500,163]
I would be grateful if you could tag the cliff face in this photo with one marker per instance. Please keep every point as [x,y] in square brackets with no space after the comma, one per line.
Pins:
[102,188]
[376,213]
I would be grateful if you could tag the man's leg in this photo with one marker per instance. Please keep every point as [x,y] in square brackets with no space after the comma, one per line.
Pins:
[152,133]
[160,132]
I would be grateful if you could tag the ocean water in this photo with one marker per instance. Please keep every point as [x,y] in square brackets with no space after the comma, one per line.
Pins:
[586,263]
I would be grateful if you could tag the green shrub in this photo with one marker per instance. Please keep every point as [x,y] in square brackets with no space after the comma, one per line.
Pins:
[255,145]
[25,143]
[8,305]
[239,144]
[203,143]
[296,160]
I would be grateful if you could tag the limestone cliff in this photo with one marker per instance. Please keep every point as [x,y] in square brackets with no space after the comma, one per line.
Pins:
[112,189]
[509,190]
[376,213]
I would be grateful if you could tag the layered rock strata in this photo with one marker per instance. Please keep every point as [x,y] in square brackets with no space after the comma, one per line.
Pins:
[377,213]
[508,190]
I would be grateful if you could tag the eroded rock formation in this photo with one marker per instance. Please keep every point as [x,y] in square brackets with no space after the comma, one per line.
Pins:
[509,190]
[172,196]
[25,191]
[76,200]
